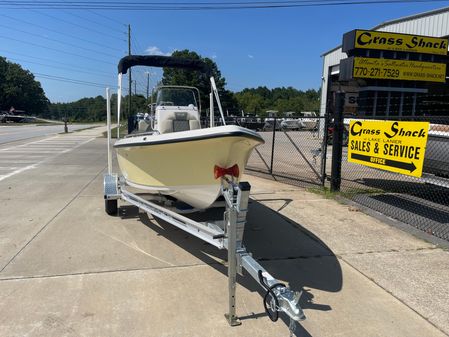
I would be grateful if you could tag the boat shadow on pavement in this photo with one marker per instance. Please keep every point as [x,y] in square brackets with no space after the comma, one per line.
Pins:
[283,247]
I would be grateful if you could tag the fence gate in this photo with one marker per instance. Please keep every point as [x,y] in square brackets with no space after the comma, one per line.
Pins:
[295,150]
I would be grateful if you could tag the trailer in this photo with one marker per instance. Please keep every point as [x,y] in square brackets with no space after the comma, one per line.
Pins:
[223,234]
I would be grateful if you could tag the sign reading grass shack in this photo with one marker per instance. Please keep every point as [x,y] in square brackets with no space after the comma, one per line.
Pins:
[368,39]
[394,146]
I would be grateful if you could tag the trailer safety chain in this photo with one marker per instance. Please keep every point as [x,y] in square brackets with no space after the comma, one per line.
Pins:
[275,316]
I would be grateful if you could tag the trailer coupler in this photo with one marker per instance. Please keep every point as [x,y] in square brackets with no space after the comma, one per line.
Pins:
[278,296]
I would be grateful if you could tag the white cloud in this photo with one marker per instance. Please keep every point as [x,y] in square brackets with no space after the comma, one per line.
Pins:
[153,50]
[250,56]
[214,56]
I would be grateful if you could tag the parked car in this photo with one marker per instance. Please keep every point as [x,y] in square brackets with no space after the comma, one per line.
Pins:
[330,133]
[270,123]
[436,160]
[252,122]
[291,124]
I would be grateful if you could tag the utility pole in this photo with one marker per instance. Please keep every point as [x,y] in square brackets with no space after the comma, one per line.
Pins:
[135,87]
[129,70]
[148,84]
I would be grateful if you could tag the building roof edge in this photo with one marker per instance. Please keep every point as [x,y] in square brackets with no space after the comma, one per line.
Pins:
[405,18]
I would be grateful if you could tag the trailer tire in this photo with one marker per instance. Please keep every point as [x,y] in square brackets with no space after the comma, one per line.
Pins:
[110,207]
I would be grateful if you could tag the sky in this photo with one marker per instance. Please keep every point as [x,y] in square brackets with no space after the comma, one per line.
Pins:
[252,47]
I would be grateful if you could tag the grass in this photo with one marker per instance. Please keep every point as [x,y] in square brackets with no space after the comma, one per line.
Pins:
[348,194]
[123,131]
[323,191]
[79,130]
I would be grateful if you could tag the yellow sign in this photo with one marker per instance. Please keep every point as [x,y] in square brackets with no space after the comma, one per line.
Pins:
[368,39]
[389,145]
[399,70]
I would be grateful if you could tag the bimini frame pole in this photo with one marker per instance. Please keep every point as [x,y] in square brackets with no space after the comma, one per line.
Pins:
[214,89]
[119,103]
[211,110]
[108,122]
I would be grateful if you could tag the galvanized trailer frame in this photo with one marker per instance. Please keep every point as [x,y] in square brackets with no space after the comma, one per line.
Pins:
[223,234]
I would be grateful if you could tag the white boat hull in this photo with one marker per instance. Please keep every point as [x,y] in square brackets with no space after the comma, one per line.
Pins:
[182,164]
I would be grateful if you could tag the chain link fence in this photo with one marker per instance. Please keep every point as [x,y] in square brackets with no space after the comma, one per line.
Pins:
[292,149]
[299,152]
[421,202]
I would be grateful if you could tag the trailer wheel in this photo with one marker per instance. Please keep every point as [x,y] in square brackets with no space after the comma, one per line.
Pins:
[110,207]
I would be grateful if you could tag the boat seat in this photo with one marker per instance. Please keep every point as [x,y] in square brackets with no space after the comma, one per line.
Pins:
[143,126]
[182,121]
[180,125]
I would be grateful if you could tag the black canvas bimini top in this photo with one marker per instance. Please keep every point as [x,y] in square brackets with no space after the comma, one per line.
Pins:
[161,62]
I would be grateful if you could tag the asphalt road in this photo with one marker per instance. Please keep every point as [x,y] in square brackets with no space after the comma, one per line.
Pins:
[10,133]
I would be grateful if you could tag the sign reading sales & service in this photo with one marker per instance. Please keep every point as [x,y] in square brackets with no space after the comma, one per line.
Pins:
[394,146]
[368,39]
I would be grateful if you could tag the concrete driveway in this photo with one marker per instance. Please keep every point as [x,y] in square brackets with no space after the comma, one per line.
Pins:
[68,269]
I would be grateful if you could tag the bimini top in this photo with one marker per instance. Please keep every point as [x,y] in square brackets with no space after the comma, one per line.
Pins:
[161,62]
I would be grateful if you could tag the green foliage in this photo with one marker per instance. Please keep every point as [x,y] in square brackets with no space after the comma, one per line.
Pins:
[84,110]
[93,109]
[20,90]
[261,99]
[200,80]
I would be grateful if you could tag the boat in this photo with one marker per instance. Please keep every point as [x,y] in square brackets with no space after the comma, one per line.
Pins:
[177,158]
[291,124]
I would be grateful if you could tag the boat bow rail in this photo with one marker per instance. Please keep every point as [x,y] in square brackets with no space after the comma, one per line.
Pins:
[223,234]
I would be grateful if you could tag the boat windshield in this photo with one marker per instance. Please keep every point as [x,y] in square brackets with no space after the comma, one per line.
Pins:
[176,97]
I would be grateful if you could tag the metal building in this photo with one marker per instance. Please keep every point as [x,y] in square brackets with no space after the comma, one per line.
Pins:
[395,98]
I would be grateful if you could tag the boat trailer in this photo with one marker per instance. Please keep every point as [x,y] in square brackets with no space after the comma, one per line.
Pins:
[223,234]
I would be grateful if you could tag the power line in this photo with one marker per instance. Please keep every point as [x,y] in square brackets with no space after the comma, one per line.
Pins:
[61,33]
[197,6]
[92,21]
[54,49]
[107,17]
[75,24]
[72,80]
[136,44]
[95,22]
[56,40]
[77,70]
[46,59]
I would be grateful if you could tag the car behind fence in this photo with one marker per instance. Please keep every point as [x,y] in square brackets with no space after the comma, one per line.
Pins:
[305,158]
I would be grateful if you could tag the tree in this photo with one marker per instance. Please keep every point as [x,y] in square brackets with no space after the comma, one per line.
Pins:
[251,101]
[174,76]
[259,100]
[19,89]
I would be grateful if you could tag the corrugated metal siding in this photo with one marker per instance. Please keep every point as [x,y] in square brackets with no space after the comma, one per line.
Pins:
[436,24]
[432,25]
[330,60]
